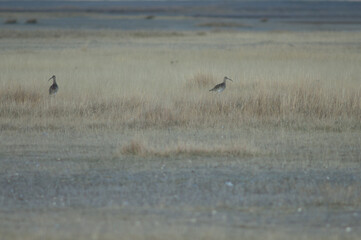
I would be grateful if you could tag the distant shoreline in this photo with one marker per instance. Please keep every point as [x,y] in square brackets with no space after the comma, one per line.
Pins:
[230,9]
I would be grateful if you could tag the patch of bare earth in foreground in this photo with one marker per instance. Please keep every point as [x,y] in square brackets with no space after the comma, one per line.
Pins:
[57,185]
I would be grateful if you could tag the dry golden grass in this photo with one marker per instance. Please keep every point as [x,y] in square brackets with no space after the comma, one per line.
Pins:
[19,95]
[200,81]
[281,103]
[139,147]
[139,85]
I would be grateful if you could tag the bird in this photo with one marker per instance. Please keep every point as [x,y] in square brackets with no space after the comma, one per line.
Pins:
[54,87]
[221,86]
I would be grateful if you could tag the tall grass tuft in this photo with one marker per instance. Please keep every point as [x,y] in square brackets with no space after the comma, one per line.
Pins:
[200,81]
[135,147]
[142,148]
[19,95]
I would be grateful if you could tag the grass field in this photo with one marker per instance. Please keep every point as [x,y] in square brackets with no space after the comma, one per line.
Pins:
[129,81]
[134,146]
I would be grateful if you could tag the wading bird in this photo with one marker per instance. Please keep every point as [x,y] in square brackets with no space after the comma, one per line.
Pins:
[221,86]
[54,87]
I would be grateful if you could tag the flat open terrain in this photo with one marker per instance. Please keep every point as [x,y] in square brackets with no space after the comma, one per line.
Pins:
[134,146]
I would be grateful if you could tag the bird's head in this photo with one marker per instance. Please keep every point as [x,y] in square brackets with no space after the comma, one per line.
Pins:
[226,78]
[52,77]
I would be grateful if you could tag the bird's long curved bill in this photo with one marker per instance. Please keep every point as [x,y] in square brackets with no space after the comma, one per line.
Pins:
[50,78]
[230,79]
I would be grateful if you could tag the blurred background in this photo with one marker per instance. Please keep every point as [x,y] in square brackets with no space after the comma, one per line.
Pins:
[173,15]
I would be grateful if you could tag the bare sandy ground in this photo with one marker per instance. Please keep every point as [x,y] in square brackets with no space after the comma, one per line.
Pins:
[71,185]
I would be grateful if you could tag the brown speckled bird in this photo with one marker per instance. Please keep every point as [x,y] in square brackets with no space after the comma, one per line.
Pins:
[54,87]
[221,86]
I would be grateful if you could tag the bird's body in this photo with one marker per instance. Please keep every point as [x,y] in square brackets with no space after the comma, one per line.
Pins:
[54,87]
[221,86]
